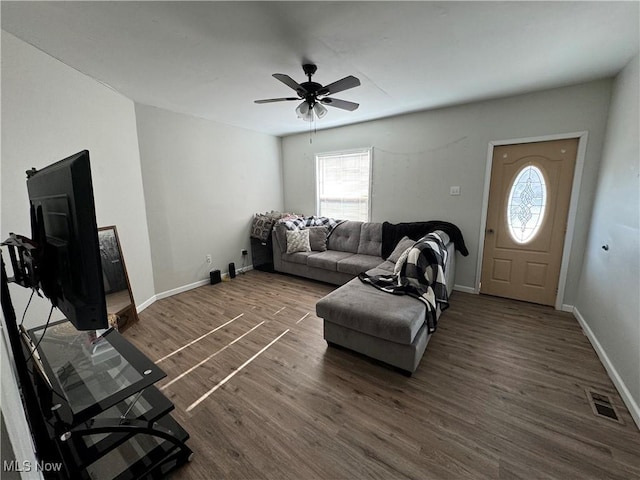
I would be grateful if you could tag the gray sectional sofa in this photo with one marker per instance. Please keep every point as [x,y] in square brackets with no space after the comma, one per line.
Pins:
[389,328]
[351,248]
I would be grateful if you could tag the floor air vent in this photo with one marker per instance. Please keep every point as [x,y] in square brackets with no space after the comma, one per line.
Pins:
[602,406]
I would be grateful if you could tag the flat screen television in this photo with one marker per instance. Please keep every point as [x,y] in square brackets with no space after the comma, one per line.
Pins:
[63,224]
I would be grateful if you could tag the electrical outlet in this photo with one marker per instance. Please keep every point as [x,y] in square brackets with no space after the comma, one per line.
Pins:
[243,252]
[208,257]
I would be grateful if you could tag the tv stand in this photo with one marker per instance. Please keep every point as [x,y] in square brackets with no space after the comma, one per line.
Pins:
[103,415]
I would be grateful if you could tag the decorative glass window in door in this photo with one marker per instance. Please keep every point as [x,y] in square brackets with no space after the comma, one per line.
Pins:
[526,204]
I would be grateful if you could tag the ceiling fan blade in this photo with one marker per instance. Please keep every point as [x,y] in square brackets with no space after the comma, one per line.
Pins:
[290,82]
[271,100]
[340,85]
[343,104]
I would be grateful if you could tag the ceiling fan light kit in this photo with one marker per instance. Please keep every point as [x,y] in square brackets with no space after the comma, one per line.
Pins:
[303,110]
[313,95]
[319,110]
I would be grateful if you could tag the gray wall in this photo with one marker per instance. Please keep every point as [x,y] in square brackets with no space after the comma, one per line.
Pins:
[608,296]
[203,181]
[417,157]
[50,111]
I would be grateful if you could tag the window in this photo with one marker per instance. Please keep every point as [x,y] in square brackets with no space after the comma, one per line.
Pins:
[526,205]
[343,181]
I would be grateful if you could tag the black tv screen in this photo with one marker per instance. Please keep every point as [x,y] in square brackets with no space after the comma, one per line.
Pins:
[63,223]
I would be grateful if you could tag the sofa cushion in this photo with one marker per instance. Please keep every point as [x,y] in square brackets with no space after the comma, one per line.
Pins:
[345,237]
[356,264]
[318,238]
[297,257]
[298,241]
[366,309]
[327,260]
[370,239]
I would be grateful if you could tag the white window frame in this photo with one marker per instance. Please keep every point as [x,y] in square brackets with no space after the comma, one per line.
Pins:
[369,151]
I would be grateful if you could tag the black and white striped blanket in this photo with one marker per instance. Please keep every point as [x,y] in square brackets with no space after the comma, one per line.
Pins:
[313,221]
[419,272]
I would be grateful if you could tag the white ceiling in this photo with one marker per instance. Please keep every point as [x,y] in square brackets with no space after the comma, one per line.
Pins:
[212,59]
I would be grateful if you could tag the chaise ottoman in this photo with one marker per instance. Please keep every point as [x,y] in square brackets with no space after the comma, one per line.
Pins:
[386,327]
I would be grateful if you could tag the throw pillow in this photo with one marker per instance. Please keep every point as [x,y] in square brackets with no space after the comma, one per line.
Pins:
[318,238]
[402,245]
[261,227]
[298,241]
[400,262]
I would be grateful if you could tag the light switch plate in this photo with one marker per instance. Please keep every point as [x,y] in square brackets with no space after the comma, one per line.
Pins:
[454,190]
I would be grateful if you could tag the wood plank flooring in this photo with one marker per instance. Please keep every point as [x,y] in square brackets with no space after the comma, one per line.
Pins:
[500,392]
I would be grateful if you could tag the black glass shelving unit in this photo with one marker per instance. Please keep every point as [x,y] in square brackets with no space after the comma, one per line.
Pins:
[103,415]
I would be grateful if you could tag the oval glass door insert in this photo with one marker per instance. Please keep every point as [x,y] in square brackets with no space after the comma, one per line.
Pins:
[526,204]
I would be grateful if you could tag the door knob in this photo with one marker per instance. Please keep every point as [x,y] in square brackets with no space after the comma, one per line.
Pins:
[490,230]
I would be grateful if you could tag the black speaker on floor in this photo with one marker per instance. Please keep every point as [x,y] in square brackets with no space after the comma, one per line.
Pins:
[232,270]
[215,277]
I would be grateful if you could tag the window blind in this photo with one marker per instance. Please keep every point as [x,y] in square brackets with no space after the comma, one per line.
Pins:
[343,185]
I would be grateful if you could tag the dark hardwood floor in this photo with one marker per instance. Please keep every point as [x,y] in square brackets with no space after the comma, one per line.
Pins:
[500,392]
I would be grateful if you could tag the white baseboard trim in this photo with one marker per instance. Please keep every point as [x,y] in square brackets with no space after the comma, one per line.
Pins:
[629,401]
[462,288]
[184,288]
[567,308]
[146,303]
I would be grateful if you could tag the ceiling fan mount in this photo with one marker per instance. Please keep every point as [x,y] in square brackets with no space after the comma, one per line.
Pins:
[309,69]
[311,88]
[314,95]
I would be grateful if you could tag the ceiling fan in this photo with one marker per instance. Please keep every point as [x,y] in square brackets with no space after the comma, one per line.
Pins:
[314,95]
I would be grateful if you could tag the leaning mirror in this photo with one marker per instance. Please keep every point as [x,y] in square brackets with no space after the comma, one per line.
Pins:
[120,305]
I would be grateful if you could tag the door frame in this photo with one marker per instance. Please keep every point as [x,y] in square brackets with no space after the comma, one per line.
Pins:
[571,216]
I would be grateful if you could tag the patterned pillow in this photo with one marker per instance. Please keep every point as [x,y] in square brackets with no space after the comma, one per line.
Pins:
[261,227]
[298,241]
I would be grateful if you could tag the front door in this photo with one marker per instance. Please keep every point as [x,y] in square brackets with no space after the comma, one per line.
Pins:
[526,219]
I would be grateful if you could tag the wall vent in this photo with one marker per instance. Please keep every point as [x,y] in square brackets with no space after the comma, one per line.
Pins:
[602,406]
